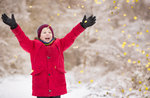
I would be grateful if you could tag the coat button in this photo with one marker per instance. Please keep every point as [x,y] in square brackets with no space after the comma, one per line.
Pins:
[48,57]
[55,67]
[49,90]
[49,74]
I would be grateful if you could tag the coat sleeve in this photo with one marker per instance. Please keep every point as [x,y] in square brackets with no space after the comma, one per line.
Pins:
[24,41]
[68,40]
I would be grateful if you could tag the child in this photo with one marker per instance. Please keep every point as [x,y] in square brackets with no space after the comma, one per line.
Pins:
[46,54]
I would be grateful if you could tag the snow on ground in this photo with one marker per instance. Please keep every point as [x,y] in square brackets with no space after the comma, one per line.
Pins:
[19,86]
[103,86]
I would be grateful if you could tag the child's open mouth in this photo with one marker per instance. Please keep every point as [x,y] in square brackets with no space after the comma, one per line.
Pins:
[47,38]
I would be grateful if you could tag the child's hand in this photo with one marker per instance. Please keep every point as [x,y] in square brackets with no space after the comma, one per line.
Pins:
[9,21]
[88,22]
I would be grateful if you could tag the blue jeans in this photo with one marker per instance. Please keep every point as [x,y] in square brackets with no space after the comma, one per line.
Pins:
[49,97]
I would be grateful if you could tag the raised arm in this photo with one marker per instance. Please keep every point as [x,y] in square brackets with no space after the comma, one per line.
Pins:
[68,40]
[24,41]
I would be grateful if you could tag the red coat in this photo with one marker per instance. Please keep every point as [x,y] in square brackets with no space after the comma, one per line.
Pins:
[48,76]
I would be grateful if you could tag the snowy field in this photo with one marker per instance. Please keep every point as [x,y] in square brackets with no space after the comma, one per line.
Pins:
[19,86]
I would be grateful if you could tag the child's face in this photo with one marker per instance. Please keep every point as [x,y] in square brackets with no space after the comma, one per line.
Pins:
[46,34]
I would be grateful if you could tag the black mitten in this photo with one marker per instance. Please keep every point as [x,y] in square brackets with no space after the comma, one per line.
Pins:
[9,21]
[88,22]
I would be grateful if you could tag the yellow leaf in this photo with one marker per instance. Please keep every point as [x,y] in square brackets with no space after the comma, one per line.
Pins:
[82,6]
[122,90]
[115,7]
[139,61]
[148,60]
[147,66]
[124,14]
[58,14]
[134,62]
[125,53]
[129,60]
[130,89]
[140,33]
[122,31]
[133,44]
[137,45]
[124,43]
[147,55]
[148,69]
[143,51]
[146,88]
[127,1]
[98,2]
[135,18]
[145,92]
[132,79]
[140,82]
[123,46]
[81,71]
[136,0]
[85,21]
[69,7]
[79,82]
[91,81]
